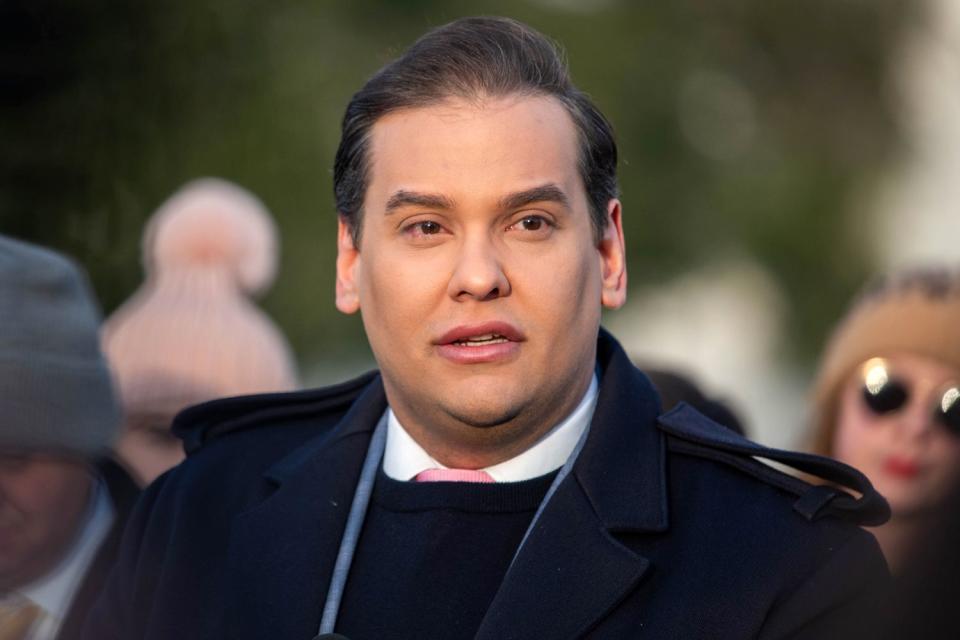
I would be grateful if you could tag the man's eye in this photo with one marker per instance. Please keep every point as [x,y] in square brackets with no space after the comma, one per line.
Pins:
[428,228]
[531,223]
[424,228]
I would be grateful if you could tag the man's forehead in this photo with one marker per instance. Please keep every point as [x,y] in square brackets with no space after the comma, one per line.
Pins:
[494,145]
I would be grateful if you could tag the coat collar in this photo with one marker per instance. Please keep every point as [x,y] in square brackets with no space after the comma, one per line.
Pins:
[622,466]
[283,550]
[360,420]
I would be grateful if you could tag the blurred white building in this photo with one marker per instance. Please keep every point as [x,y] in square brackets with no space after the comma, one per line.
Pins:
[722,326]
[919,207]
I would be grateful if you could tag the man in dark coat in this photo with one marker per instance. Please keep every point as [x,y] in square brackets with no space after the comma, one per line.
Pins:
[62,503]
[505,474]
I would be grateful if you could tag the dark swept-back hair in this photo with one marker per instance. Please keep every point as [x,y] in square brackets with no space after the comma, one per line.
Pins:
[473,58]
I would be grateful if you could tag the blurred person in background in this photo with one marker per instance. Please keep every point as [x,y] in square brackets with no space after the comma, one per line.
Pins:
[191,332]
[62,502]
[887,399]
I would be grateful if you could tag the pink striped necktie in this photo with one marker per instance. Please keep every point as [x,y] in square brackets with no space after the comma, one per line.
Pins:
[453,475]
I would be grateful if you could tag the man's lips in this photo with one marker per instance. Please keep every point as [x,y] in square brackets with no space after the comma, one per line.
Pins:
[479,334]
[485,342]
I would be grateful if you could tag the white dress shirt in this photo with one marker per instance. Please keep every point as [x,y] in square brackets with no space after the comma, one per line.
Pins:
[55,591]
[404,458]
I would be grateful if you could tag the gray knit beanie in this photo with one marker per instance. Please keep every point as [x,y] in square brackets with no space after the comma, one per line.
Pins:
[55,388]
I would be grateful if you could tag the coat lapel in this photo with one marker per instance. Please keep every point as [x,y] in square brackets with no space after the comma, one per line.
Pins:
[569,573]
[572,571]
[282,551]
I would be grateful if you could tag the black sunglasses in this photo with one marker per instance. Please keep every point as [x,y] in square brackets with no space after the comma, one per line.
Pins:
[883,394]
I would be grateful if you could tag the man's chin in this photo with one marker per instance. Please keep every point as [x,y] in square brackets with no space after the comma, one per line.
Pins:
[483,417]
[483,410]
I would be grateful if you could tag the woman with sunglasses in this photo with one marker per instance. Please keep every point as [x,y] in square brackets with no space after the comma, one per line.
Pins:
[887,399]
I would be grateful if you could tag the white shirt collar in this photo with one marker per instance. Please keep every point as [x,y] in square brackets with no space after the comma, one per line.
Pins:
[55,591]
[404,458]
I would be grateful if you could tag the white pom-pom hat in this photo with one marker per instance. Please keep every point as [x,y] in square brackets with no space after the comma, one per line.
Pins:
[191,332]
[212,223]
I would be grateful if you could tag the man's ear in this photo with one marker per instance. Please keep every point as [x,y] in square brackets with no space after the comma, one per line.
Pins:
[613,259]
[348,265]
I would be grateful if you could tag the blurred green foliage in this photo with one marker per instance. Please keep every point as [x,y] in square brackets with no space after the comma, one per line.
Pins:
[746,127]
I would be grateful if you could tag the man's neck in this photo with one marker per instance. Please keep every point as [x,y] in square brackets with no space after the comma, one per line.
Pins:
[455,443]
[405,456]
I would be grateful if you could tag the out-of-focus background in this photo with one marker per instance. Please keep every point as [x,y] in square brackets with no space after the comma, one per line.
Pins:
[774,154]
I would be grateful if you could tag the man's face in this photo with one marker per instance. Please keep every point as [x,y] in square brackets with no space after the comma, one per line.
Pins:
[479,278]
[42,500]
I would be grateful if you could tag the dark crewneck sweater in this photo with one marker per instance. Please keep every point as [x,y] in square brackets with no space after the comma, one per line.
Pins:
[431,556]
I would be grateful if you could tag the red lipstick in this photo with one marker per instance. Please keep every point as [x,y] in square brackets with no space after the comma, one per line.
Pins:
[901,467]
[485,342]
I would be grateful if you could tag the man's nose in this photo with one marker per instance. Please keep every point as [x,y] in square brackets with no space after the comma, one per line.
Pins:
[479,274]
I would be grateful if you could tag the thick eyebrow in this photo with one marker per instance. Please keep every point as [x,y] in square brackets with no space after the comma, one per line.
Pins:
[403,198]
[544,193]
